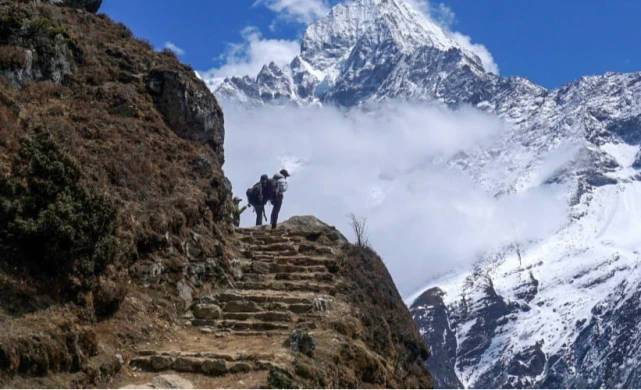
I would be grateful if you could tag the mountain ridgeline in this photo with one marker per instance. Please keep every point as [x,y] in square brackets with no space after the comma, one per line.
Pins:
[560,311]
[119,262]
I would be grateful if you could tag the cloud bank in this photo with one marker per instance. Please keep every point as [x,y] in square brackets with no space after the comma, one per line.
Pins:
[249,56]
[424,218]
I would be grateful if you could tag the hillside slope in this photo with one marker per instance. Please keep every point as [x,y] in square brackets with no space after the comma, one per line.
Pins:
[306,309]
[116,223]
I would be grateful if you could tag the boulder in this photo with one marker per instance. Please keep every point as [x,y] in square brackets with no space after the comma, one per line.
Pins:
[160,363]
[207,311]
[185,364]
[214,367]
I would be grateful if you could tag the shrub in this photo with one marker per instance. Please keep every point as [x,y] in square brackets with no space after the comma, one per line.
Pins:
[279,379]
[9,24]
[41,26]
[12,57]
[49,223]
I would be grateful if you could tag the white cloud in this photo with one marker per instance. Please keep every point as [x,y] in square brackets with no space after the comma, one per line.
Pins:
[424,218]
[248,57]
[444,17]
[301,11]
[481,51]
[173,47]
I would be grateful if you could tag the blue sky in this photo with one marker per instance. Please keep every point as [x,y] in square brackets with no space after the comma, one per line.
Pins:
[551,42]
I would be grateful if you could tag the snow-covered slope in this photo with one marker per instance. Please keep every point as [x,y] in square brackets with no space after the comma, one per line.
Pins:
[559,312]
[366,51]
[563,311]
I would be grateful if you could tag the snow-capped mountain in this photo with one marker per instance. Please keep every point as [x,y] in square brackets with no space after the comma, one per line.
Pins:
[563,311]
[366,51]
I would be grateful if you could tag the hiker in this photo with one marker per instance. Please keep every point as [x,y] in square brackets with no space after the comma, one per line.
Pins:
[257,197]
[278,188]
[238,211]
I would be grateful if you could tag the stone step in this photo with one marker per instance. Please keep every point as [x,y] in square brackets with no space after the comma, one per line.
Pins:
[253,253]
[261,233]
[261,267]
[198,364]
[316,249]
[247,307]
[297,260]
[243,333]
[209,355]
[309,276]
[257,243]
[282,246]
[254,325]
[269,316]
[287,286]
[226,298]
[288,268]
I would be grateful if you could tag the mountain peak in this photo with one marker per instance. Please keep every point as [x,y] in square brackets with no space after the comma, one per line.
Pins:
[395,22]
[365,51]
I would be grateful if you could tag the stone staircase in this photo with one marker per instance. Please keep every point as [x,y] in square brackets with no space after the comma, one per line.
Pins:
[235,337]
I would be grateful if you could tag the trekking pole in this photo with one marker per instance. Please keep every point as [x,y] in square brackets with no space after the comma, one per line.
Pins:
[264,215]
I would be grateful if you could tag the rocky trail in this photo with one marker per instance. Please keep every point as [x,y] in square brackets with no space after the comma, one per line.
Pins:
[246,334]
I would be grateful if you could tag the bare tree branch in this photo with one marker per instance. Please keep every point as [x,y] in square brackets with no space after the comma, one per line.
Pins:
[359,225]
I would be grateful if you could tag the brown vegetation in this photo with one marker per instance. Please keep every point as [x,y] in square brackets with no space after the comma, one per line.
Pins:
[134,143]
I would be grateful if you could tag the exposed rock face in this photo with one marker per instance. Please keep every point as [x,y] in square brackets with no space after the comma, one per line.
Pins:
[430,310]
[188,107]
[35,49]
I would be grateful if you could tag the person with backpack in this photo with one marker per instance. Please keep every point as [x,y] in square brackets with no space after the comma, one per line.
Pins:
[257,197]
[278,187]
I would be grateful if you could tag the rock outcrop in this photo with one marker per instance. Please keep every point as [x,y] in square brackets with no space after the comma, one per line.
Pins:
[188,107]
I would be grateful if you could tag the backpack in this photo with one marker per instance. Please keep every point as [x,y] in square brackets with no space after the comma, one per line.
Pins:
[255,194]
[279,185]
